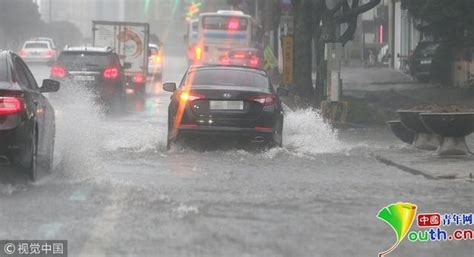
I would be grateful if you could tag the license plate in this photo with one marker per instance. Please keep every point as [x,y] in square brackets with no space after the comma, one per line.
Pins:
[35,53]
[227,105]
[84,78]
[426,62]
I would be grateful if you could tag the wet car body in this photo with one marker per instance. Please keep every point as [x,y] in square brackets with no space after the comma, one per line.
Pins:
[27,120]
[247,57]
[155,61]
[39,51]
[226,107]
[96,69]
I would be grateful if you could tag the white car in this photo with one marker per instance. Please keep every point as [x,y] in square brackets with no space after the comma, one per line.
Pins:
[155,61]
[38,51]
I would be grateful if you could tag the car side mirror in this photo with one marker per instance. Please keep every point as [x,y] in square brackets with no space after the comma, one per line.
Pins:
[281,91]
[127,65]
[49,86]
[169,86]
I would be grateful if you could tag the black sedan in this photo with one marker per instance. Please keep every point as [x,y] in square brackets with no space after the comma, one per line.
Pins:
[27,123]
[225,101]
[96,69]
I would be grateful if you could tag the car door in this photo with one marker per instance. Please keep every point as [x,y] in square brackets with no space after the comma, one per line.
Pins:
[41,110]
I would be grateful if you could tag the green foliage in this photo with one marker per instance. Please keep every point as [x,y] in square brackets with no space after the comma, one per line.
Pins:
[444,20]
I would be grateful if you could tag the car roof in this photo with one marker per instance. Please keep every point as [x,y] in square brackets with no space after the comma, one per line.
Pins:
[88,49]
[228,67]
[153,45]
[37,41]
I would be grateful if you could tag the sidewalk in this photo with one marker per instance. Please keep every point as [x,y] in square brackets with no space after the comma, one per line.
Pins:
[382,91]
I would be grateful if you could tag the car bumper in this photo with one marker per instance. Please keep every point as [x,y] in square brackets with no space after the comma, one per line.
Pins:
[37,59]
[228,132]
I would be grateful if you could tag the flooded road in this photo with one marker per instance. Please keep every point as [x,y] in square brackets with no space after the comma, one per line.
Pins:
[116,191]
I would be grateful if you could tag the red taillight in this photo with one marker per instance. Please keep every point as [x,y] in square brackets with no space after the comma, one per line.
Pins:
[190,96]
[58,71]
[188,126]
[23,53]
[225,60]
[50,53]
[234,24]
[111,73]
[266,100]
[10,105]
[138,78]
[254,61]
[266,129]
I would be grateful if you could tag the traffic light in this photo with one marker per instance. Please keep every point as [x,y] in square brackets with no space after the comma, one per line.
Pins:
[193,9]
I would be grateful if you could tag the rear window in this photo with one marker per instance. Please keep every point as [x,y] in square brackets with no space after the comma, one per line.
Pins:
[427,49]
[3,69]
[225,23]
[228,78]
[85,60]
[36,45]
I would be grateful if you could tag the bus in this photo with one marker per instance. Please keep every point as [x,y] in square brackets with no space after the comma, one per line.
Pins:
[223,31]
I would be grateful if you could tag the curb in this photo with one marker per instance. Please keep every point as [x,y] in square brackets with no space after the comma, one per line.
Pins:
[416,171]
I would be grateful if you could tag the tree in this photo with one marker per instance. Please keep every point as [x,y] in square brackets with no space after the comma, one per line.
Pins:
[19,19]
[451,21]
[319,21]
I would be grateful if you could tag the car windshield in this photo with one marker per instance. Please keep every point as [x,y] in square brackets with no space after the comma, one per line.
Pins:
[36,45]
[85,60]
[227,77]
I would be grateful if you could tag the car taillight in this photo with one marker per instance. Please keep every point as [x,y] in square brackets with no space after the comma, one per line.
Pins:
[23,53]
[198,52]
[138,78]
[111,73]
[50,53]
[254,61]
[10,105]
[58,71]
[266,100]
[225,60]
[158,59]
[190,96]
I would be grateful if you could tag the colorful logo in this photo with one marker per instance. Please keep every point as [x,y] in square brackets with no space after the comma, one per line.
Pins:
[400,217]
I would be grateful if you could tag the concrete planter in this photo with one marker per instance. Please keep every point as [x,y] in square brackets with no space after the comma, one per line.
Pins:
[424,138]
[452,128]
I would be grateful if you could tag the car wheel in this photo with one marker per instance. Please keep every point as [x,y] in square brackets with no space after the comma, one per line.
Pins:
[47,162]
[277,139]
[32,166]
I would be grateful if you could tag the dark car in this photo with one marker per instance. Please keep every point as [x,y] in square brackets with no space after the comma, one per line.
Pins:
[225,101]
[97,69]
[27,120]
[250,57]
[421,61]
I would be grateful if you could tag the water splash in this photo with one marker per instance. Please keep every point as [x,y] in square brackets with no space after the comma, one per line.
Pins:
[305,132]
